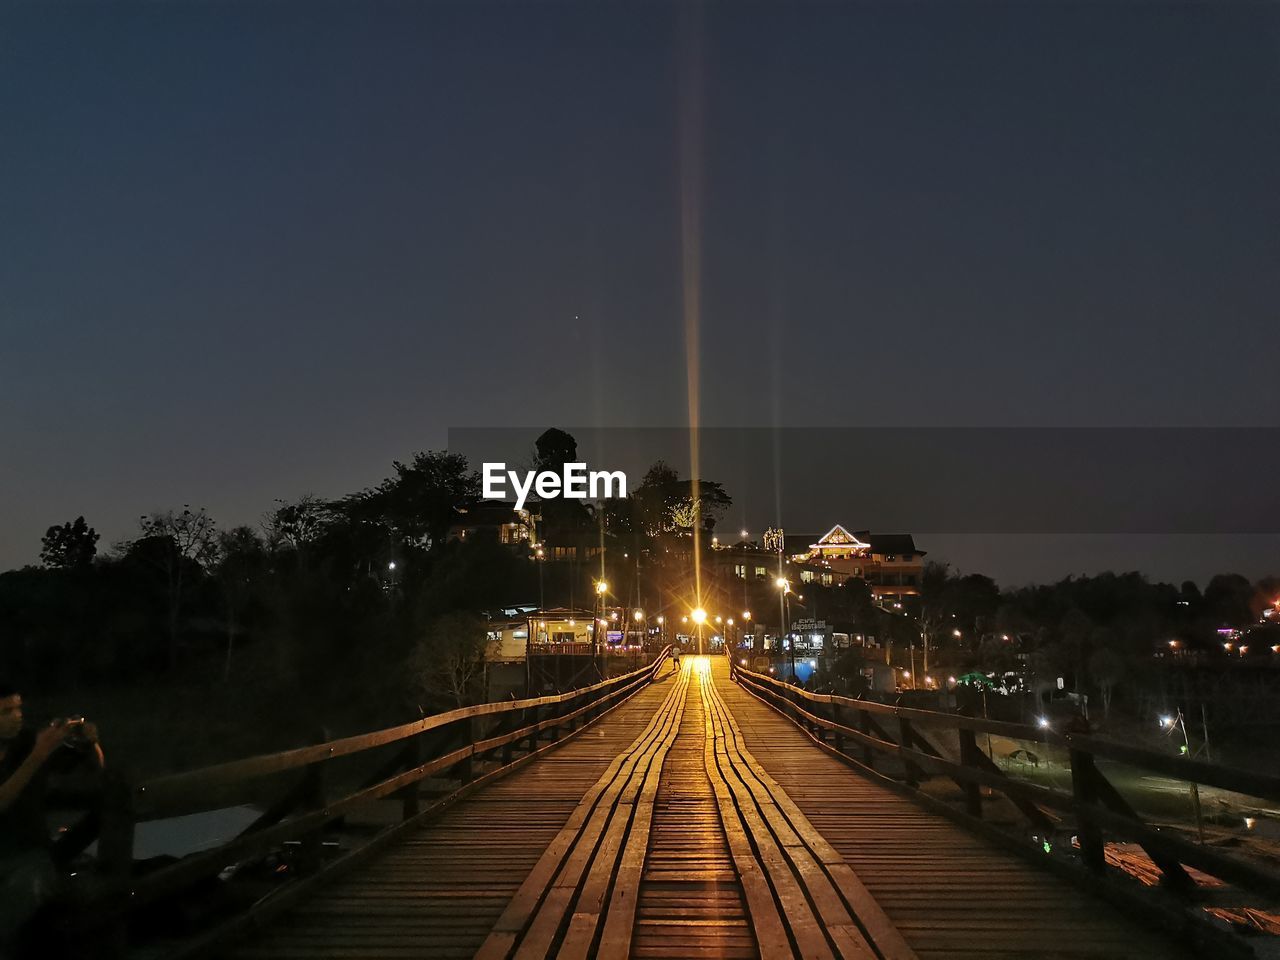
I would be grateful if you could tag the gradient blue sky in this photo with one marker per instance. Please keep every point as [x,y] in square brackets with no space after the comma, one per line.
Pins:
[253,250]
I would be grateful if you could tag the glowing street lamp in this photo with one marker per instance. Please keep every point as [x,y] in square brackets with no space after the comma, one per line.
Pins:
[699,617]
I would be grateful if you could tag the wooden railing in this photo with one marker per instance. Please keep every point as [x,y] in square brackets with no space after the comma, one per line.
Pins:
[859,731]
[469,746]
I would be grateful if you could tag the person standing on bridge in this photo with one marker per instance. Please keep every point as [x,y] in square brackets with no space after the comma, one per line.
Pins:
[29,875]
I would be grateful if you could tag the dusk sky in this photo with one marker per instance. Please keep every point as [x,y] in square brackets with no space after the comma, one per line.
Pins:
[250,251]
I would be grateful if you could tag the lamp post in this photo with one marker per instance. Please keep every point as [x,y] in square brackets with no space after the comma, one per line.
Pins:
[539,557]
[601,589]
[639,618]
[784,614]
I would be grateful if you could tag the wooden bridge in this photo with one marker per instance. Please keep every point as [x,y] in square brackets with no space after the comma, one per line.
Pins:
[704,811]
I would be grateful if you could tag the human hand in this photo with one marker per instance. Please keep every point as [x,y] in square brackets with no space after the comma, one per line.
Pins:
[52,737]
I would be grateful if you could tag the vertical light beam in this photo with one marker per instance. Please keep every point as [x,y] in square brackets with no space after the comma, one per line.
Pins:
[691,126]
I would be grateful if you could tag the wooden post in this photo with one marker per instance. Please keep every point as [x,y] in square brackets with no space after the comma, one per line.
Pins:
[835,718]
[864,724]
[312,799]
[115,858]
[1083,780]
[508,749]
[969,753]
[532,742]
[409,794]
[905,737]
[466,735]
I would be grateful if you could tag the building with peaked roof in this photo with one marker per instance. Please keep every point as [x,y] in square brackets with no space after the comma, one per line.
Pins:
[890,562]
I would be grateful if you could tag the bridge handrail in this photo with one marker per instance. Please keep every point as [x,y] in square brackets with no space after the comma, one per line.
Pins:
[1093,801]
[163,796]
[1263,785]
[305,810]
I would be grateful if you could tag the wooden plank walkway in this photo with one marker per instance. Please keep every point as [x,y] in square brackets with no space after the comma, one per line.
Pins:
[691,903]
[694,821]
[950,893]
[439,893]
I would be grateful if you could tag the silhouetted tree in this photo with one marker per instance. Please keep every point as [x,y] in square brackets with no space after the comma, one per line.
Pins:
[448,659]
[179,545]
[419,503]
[241,562]
[1106,667]
[71,546]
[554,449]
[1229,600]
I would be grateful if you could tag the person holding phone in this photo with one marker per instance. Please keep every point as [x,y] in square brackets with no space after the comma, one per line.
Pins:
[29,876]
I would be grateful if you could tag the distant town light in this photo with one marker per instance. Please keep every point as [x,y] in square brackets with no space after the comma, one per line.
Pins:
[1166,721]
[639,615]
[699,616]
[391,565]
[1043,723]
[602,587]
[746,614]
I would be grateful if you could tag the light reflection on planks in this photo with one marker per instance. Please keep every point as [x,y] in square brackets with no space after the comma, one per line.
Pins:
[691,902]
